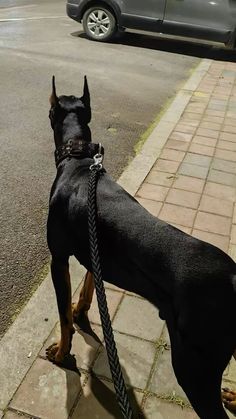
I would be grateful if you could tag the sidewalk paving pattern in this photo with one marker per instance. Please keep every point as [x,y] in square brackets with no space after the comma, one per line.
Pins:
[192,185]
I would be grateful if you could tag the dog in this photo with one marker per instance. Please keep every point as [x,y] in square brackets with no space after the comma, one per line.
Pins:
[192,283]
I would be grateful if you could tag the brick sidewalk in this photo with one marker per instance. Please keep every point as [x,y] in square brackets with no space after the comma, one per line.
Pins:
[192,186]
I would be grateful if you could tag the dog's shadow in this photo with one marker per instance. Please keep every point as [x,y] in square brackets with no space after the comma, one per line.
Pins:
[100,390]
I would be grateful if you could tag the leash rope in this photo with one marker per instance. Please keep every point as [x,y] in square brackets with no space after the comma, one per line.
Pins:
[115,368]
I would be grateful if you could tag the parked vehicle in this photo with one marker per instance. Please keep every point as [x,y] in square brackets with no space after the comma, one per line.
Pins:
[203,19]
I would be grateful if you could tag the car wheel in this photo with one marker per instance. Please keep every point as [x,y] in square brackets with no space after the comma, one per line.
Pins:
[99,24]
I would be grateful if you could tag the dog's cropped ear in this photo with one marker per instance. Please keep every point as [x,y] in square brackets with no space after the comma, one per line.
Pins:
[86,95]
[53,98]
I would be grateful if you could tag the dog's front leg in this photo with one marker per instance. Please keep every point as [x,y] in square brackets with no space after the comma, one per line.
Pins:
[61,281]
[85,298]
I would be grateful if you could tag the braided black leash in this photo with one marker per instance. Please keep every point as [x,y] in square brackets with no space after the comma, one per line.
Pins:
[118,380]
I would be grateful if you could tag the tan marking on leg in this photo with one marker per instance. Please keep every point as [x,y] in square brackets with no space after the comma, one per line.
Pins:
[85,298]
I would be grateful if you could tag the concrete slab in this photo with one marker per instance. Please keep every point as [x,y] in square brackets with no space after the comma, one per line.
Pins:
[136,357]
[147,324]
[99,401]
[48,391]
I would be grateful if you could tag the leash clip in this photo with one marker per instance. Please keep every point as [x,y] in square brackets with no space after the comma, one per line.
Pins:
[98,159]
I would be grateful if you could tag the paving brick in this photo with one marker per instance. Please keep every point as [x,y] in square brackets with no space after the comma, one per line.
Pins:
[98,401]
[182,127]
[210,142]
[207,132]
[191,116]
[183,198]
[154,192]
[160,178]
[211,112]
[190,122]
[151,206]
[216,206]
[229,128]
[230,122]
[143,318]
[136,357]
[224,165]
[217,240]
[201,149]
[233,234]
[181,136]
[189,184]
[166,166]
[210,118]
[84,345]
[186,230]
[174,155]
[222,177]
[226,155]
[210,125]
[178,215]
[234,214]
[213,223]
[227,136]
[220,191]
[46,389]
[163,381]
[193,170]
[159,409]
[197,159]
[227,145]
[177,145]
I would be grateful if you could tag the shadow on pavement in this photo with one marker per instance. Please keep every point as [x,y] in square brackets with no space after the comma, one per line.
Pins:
[175,46]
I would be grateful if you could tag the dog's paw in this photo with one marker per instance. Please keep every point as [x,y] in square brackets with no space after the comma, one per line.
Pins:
[229,399]
[54,354]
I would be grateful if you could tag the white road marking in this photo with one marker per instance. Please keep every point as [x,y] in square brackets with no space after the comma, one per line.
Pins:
[10,8]
[17,19]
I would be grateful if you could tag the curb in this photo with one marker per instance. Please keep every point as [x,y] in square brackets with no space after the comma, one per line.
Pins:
[20,345]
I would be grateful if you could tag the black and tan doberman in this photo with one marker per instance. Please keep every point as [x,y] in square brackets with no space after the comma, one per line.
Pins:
[192,283]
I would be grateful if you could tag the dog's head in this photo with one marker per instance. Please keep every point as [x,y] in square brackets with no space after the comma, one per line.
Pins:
[70,115]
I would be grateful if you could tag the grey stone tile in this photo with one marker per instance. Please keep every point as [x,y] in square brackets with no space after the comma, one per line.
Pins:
[163,381]
[193,170]
[159,409]
[99,401]
[46,389]
[224,165]
[136,357]
[198,159]
[138,318]
[84,345]
[222,177]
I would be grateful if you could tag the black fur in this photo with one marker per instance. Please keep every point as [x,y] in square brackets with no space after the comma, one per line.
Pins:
[191,282]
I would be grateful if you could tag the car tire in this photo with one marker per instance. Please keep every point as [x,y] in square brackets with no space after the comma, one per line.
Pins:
[99,24]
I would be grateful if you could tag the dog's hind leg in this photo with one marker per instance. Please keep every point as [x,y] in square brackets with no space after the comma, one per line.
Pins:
[61,281]
[85,298]
[200,377]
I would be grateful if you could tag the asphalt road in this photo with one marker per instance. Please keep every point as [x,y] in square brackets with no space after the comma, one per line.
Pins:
[130,82]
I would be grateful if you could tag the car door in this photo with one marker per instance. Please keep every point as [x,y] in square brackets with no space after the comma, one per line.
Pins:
[140,14]
[200,18]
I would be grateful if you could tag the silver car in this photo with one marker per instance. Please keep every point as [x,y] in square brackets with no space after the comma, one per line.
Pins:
[203,19]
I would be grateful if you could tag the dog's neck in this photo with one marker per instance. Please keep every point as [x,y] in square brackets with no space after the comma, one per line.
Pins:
[71,129]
